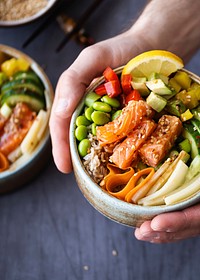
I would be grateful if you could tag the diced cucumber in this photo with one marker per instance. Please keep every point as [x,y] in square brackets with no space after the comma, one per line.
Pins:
[156,102]
[33,100]
[155,75]
[185,145]
[194,168]
[159,87]
[22,84]
[193,136]
[139,83]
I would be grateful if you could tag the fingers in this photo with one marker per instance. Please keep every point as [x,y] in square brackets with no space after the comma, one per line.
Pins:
[171,227]
[60,146]
[68,93]
[70,88]
[72,84]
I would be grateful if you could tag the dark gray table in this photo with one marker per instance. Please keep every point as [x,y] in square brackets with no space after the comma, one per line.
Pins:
[47,229]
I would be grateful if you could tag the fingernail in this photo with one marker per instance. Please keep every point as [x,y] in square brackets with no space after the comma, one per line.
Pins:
[163,229]
[151,235]
[61,106]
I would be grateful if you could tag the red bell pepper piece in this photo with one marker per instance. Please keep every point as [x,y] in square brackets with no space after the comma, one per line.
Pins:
[110,75]
[113,88]
[126,83]
[101,90]
[133,95]
[112,85]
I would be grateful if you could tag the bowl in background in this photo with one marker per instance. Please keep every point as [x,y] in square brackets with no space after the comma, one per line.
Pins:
[19,174]
[117,210]
[9,22]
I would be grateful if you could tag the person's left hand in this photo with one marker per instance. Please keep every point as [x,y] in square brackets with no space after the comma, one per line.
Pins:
[171,227]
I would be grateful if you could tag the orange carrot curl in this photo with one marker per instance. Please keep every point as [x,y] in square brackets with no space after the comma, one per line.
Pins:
[4,164]
[125,184]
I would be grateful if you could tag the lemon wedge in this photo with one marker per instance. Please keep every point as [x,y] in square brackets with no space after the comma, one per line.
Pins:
[159,61]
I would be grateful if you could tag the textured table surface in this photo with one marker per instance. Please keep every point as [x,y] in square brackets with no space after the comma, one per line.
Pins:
[48,231]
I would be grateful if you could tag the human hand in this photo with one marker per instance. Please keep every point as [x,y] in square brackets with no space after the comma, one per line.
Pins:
[152,30]
[72,84]
[171,227]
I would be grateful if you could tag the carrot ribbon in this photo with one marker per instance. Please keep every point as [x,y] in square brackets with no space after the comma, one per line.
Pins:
[4,164]
[124,183]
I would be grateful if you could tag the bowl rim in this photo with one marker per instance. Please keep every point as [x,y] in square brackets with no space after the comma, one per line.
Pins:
[49,95]
[127,207]
[12,23]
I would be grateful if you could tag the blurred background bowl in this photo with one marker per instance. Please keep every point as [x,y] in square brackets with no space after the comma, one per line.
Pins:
[28,19]
[117,210]
[19,175]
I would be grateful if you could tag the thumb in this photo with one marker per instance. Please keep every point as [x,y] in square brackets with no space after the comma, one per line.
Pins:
[68,94]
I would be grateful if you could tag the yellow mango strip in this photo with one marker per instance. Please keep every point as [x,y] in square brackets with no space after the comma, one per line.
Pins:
[184,192]
[132,187]
[176,179]
[164,177]
[116,178]
[145,188]
[4,164]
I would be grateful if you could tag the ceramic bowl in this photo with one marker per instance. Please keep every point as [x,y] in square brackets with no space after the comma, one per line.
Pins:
[42,12]
[119,211]
[18,175]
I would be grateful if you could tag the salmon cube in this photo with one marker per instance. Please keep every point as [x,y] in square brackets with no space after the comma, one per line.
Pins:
[161,140]
[126,152]
[16,128]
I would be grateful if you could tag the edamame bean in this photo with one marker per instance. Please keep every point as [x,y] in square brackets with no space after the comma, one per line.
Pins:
[93,128]
[84,147]
[90,98]
[81,132]
[101,106]
[88,113]
[111,101]
[100,118]
[82,120]
[116,114]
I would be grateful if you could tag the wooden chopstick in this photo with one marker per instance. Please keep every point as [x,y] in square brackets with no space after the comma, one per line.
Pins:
[79,23]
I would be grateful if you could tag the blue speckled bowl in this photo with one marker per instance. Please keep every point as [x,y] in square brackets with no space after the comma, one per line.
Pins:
[19,175]
[111,207]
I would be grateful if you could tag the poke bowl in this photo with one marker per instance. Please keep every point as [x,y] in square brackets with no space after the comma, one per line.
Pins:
[25,103]
[135,139]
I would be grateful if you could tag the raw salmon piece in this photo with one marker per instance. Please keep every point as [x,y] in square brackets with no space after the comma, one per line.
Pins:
[16,128]
[2,121]
[126,152]
[161,140]
[130,117]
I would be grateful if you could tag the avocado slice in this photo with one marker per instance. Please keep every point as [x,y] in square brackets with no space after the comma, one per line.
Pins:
[139,83]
